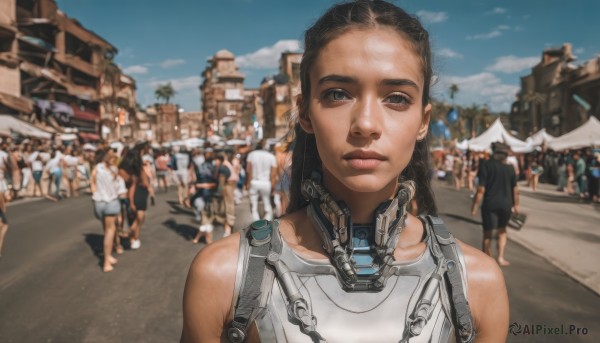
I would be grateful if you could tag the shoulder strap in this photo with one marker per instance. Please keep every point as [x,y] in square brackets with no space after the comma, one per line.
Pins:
[257,279]
[462,314]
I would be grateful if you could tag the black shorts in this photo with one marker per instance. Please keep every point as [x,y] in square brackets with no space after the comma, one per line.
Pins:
[495,219]
[140,198]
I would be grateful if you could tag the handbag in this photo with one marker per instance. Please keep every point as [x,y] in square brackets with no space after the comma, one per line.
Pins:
[517,220]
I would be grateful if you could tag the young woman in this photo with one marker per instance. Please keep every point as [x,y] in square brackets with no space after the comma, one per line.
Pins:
[133,172]
[104,186]
[347,264]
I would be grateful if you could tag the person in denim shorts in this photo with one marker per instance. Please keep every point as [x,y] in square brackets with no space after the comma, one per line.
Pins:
[105,195]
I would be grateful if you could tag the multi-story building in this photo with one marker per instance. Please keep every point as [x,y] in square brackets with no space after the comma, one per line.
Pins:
[279,94]
[11,101]
[222,93]
[167,123]
[557,95]
[53,61]
[190,125]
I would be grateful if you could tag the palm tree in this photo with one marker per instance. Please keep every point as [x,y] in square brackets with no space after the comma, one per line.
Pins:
[164,92]
[453,90]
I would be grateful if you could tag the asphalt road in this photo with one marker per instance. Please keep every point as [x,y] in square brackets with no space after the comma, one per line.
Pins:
[52,288]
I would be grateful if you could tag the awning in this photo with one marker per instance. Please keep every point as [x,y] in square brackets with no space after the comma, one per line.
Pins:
[84,115]
[10,124]
[89,137]
[587,135]
[40,43]
[16,103]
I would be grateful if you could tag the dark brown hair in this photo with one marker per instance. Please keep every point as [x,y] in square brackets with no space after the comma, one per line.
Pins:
[337,20]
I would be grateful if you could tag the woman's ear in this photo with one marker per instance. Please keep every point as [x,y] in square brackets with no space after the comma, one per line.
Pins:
[303,117]
[424,123]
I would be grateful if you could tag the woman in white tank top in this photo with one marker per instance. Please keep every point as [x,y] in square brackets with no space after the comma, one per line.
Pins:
[105,194]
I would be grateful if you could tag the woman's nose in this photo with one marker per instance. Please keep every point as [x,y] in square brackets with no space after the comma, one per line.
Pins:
[367,119]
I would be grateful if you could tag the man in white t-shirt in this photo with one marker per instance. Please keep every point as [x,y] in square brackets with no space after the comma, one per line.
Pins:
[261,170]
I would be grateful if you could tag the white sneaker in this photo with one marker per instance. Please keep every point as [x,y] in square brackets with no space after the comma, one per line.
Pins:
[136,244]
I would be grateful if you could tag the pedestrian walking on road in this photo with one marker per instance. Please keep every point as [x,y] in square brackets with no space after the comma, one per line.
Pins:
[37,170]
[347,263]
[498,195]
[162,169]
[261,171]
[580,177]
[181,166]
[134,173]
[105,194]
[283,155]
[54,169]
[205,183]
[536,171]
[3,221]
[227,178]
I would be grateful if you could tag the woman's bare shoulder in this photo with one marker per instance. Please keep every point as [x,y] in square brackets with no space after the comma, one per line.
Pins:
[209,290]
[218,256]
[487,295]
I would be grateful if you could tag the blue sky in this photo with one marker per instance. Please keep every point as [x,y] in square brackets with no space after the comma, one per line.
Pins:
[483,46]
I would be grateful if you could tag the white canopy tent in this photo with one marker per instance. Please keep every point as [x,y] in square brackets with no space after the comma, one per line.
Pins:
[463,145]
[586,135]
[497,133]
[540,138]
[9,124]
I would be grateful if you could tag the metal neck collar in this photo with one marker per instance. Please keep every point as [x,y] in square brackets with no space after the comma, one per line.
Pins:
[361,253]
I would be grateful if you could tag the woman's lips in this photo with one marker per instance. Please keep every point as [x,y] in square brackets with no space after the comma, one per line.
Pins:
[364,163]
[364,159]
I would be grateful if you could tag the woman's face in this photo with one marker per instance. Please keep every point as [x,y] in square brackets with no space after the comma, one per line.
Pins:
[365,108]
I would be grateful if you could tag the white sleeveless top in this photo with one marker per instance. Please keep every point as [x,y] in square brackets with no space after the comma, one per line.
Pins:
[106,184]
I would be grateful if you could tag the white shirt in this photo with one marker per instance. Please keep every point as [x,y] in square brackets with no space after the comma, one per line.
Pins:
[37,165]
[262,161]
[3,159]
[107,186]
[54,164]
[183,162]
[121,187]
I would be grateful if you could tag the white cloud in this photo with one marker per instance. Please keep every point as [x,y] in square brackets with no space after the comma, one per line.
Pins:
[135,69]
[512,64]
[482,88]
[449,53]
[267,57]
[171,63]
[503,27]
[432,17]
[579,50]
[485,36]
[179,84]
[497,10]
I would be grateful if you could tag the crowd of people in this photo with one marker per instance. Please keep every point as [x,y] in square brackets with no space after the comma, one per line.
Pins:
[575,172]
[209,180]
